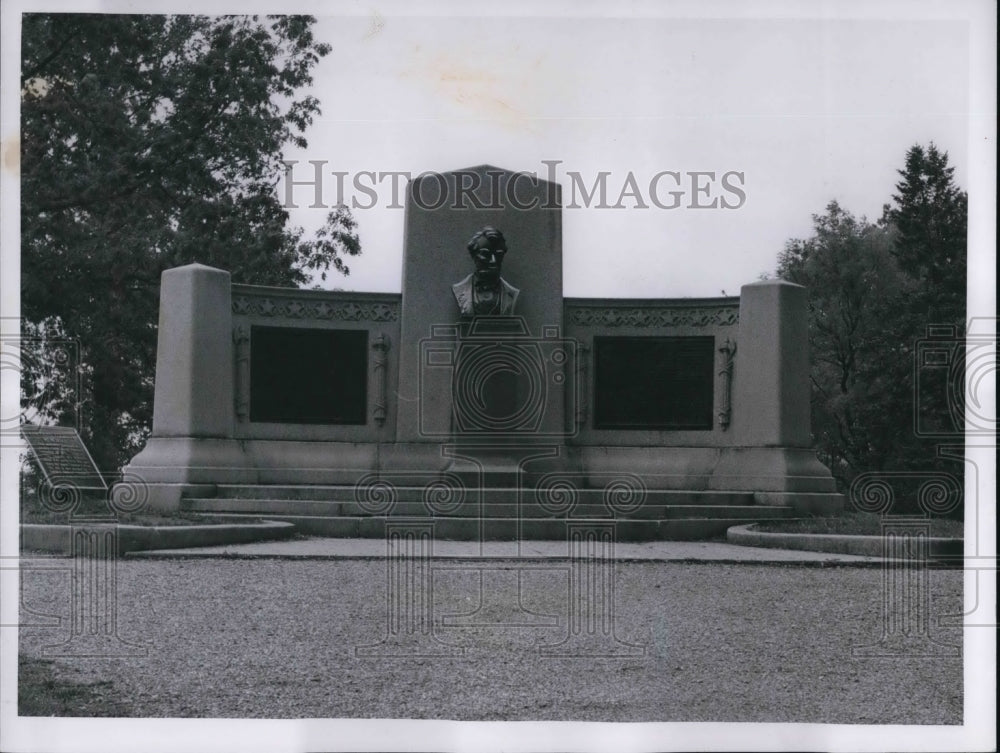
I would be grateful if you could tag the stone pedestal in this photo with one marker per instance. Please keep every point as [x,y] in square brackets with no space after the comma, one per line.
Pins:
[770,406]
[193,406]
[194,355]
[770,432]
[528,213]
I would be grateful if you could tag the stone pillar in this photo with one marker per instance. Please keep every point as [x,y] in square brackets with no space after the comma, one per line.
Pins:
[194,354]
[194,413]
[770,438]
[443,212]
[770,405]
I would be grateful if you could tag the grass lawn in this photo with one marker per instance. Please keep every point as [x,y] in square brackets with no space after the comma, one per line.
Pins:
[856,524]
[41,693]
[47,517]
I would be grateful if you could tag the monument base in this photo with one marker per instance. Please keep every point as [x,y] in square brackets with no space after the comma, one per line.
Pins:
[190,460]
[754,469]
[176,468]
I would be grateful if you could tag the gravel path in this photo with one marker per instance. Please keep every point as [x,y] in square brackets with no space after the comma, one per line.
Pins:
[276,638]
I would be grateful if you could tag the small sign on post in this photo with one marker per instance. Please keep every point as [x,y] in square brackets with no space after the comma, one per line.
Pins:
[62,457]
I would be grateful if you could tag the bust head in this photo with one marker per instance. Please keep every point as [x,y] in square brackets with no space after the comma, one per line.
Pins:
[487,248]
[484,292]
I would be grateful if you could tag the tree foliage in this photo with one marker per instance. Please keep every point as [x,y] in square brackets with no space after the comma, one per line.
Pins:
[930,214]
[853,281]
[874,288]
[147,142]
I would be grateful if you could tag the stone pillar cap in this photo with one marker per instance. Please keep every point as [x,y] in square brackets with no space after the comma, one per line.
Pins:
[777,281]
[195,265]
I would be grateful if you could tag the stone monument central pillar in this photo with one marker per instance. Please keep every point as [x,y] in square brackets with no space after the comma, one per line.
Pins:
[483,361]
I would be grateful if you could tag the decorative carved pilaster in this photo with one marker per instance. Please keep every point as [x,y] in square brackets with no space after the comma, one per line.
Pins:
[582,359]
[380,347]
[241,340]
[728,350]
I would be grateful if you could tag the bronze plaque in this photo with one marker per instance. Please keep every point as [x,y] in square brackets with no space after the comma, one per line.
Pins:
[308,375]
[663,383]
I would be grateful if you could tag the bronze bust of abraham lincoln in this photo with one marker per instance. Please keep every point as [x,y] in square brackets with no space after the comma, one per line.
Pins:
[485,292]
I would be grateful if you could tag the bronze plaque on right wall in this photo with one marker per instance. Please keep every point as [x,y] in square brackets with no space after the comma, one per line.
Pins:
[663,383]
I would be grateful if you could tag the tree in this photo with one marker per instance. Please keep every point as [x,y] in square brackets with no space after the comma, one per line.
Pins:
[873,291]
[857,365]
[149,142]
[931,218]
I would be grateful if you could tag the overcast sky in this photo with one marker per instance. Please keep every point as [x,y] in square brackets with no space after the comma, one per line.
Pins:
[808,110]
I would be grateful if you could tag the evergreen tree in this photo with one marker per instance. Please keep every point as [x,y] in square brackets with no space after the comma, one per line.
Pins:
[930,214]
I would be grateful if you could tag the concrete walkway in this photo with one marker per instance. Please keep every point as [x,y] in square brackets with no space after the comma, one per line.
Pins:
[654,551]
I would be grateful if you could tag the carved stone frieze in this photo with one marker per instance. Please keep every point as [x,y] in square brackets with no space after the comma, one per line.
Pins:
[654,316]
[327,310]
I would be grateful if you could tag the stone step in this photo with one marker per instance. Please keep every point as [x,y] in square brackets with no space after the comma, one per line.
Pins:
[322,508]
[506,529]
[348,493]
[805,503]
